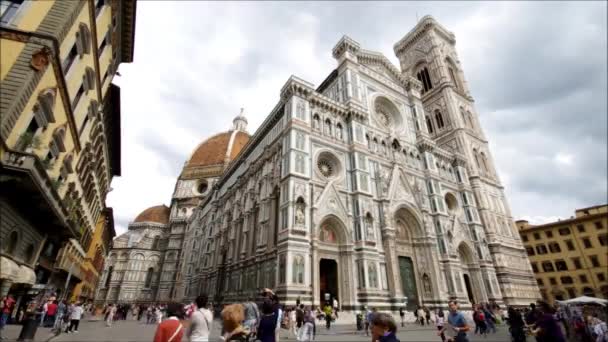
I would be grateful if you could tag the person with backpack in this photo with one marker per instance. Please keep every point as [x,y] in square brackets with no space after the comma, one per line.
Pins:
[402,315]
[252,316]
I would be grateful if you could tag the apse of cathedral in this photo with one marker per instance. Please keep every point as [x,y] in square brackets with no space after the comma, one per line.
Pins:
[375,188]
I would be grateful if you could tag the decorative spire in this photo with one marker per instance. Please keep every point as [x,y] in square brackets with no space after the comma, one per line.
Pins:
[240,122]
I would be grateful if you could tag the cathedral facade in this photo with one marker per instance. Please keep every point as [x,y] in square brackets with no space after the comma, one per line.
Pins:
[375,188]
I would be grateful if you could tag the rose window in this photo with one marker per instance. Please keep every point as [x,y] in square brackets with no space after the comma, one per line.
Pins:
[328,165]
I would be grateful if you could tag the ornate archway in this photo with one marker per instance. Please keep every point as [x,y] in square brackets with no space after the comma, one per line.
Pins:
[332,276]
[409,256]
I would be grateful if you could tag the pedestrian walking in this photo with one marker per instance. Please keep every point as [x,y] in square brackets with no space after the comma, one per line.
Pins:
[402,315]
[110,315]
[158,314]
[307,331]
[75,316]
[61,310]
[51,312]
[171,329]
[490,319]
[292,322]
[335,305]
[8,304]
[200,321]
[149,315]
[516,326]
[43,310]
[384,328]
[457,325]
[421,315]
[369,315]
[252,317]
[480,321]
[328,315]
[547,327]
[266,331]
[427,315]
[439,323]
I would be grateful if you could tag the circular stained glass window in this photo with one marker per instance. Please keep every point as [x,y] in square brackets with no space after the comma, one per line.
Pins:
[328,165]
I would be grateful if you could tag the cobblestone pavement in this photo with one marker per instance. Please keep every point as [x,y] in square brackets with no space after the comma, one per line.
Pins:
[123,331]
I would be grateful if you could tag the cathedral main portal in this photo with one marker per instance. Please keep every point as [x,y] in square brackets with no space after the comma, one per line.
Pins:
[328,280]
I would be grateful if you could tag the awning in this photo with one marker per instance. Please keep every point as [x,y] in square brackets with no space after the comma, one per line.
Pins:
[26,276]
[8,269]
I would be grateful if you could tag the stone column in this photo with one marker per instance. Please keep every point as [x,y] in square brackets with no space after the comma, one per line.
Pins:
[314,269]
[392,265]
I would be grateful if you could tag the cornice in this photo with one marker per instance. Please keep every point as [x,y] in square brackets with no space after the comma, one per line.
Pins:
[345,44]
[424,25]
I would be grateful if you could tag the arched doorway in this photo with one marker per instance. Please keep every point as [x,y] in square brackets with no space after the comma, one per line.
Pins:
[467,261]
[328,280]
[467,285]
[406,229]
[331,281]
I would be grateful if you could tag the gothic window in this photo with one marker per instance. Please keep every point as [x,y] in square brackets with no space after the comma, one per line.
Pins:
[373,275]
[327,127]
[369,142]
[470,120]
[155,242]
[453,77]
[375,145]
[477,162]
[429,124]
[424,77]
[149,274]
[316,122]
[298,270]
[439,119]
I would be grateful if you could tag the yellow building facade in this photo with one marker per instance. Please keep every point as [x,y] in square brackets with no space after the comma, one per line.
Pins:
[93,266]
[570,257]
[59,138]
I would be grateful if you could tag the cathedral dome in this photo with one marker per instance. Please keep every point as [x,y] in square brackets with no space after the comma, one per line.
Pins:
[156,214]
[219,149]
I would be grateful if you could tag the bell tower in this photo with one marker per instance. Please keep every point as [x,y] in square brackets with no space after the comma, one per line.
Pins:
[428,53]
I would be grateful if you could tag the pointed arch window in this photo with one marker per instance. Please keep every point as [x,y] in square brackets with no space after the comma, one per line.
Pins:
[439,119]
[429,124]
[484,161]
[149,274]
[425,78]
[155,242]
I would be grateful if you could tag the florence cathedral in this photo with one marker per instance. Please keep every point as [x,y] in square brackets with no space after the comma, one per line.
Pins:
[376,188]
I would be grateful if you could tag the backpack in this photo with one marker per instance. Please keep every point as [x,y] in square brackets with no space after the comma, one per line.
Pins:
[481,317]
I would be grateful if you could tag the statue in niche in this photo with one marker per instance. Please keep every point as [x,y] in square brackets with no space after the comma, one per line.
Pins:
[369,227]
[385,181]
[327,234]
[300,207]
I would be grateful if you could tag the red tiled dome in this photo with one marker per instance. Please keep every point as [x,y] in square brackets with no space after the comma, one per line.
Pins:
[157,214]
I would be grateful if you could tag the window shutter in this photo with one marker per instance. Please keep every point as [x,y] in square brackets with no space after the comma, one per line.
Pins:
[39,116]
[90,75]
[79,46]
[67,164]
[85,38]
[54,149]
[58,140]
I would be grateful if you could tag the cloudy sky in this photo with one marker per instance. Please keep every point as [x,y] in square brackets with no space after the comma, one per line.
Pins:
[537,72]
